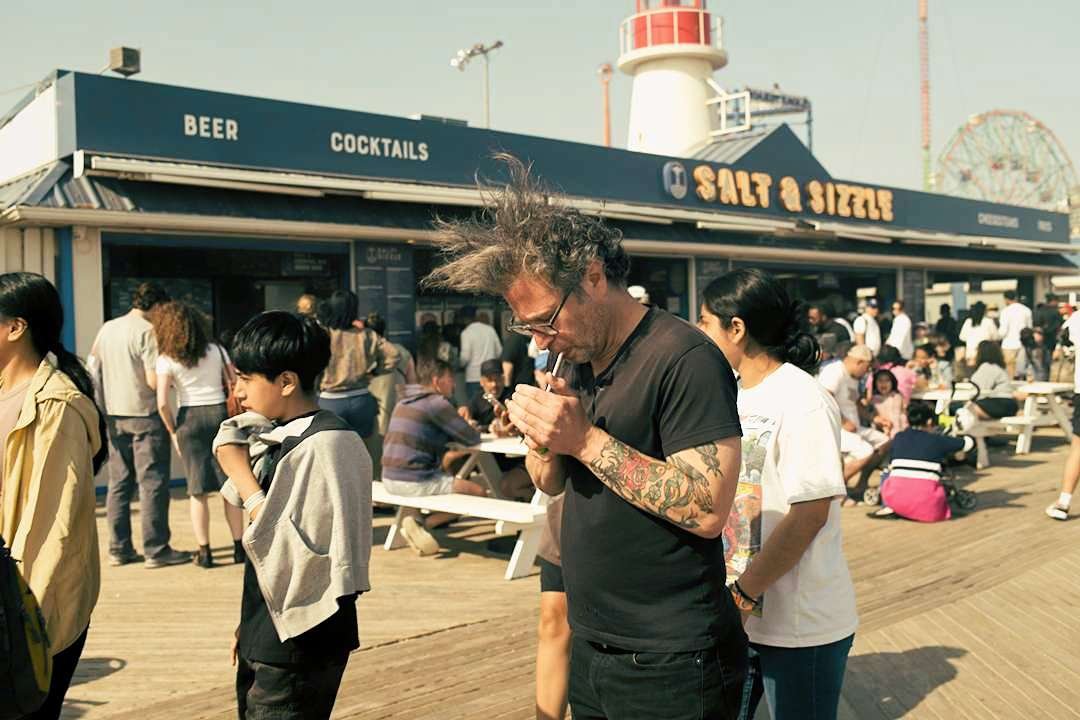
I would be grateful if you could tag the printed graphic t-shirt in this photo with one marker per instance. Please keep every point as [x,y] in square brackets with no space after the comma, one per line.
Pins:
[791,454]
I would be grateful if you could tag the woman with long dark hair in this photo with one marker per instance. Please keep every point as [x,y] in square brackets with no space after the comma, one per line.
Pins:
[783,541]
[356,356]
[201,373]
[976,328]
[51,434]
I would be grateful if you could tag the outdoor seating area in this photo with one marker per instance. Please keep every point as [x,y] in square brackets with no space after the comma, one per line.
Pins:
[974,618]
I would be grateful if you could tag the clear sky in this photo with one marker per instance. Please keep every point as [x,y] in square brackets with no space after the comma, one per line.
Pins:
[856,59]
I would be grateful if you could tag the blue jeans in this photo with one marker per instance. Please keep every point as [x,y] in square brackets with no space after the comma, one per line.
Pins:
[801,683]
[616,684]
[359,411]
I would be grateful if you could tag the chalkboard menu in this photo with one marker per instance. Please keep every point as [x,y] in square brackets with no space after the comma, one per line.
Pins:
[386,284]
[914,284]
[196,291]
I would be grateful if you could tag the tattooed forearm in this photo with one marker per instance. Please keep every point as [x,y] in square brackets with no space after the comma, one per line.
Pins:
[676,490]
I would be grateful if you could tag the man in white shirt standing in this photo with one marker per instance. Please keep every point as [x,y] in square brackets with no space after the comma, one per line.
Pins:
[900,335]
[866,328]
[1015,317]
[479,342]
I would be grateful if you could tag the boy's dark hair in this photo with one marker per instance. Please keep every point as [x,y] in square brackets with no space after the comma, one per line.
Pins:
[1010,294]
[276,341]
[919,413]
[147,295]
[431,368]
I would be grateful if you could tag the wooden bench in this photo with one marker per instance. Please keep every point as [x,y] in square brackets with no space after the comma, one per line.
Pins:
[526,519]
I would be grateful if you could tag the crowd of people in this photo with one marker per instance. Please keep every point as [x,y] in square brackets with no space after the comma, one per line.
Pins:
[693,560]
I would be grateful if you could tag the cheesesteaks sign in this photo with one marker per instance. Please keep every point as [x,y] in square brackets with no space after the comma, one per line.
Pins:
[743,188]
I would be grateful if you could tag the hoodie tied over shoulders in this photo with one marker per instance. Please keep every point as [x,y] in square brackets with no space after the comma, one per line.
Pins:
[311,541]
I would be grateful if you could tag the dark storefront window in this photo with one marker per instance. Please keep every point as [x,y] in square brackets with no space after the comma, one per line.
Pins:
[228,281]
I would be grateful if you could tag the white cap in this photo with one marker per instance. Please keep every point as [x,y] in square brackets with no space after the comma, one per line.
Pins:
[638,293]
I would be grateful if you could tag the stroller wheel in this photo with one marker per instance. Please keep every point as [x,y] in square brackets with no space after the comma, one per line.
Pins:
[872,496]
[965,499]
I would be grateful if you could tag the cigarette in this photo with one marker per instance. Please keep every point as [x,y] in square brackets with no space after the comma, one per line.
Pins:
[555,370]
[554,373]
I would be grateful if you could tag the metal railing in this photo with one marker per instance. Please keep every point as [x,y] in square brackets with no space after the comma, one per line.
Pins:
[652,28]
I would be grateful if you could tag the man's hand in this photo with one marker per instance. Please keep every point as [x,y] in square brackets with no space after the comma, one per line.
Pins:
[554,420]
[849,426]
[464,413]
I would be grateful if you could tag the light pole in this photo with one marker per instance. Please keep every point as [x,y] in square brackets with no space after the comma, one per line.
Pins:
[462,59]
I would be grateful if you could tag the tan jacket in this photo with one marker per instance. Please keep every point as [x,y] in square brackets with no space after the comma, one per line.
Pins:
[47,502]
[356,356]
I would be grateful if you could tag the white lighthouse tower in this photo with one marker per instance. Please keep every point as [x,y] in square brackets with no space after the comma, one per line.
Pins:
[671,48]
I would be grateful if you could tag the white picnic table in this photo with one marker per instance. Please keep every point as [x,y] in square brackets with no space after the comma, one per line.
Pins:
[1042,407]
[526,520]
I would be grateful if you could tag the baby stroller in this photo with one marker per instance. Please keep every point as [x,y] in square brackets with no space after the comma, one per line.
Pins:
[958,425]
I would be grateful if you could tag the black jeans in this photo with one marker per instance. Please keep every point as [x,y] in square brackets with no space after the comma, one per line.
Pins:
[618,684]
[64,664]
[288,692]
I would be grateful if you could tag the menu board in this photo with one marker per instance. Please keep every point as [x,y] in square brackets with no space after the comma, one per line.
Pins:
[196,291]
[386,284]
[914,284]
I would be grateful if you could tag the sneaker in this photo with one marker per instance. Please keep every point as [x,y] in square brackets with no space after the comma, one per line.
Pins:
[418,537]
[118,559]
[1057,512]
[168,557]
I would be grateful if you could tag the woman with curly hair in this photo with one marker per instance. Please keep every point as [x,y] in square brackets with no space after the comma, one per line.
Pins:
[201,373]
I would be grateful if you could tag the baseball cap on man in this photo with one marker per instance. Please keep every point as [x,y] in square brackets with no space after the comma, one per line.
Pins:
[871,302]
[492,367]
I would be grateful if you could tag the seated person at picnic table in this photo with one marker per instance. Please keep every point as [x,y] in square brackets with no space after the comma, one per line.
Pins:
[515,483]
[996,396]
[912,488]
[889,406]
[862,447]
[889,359]
[416,460]
[480,412]
[931,373]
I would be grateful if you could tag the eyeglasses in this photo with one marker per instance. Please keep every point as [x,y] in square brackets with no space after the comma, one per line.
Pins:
[546,328]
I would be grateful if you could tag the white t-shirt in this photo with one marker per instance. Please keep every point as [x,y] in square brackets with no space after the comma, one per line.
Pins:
[868,328]
[971,336]
[791,454]
[1014,318]
[835,378]
[900,336]
[1073,326]
[479,342]
[199,385]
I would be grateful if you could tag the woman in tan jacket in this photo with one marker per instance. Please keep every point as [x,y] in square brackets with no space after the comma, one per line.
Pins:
[51,431]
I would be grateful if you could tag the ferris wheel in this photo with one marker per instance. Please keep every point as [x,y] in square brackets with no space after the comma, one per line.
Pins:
[1007,156]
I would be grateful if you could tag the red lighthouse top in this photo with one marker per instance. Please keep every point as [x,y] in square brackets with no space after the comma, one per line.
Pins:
[661,27]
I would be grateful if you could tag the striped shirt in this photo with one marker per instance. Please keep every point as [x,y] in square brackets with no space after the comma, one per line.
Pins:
[422,424]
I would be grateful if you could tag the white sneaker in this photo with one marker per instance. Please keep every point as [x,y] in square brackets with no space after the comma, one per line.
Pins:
[418,537]
[1057,512]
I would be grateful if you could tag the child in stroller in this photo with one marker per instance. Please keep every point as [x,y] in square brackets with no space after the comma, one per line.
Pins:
[916,485]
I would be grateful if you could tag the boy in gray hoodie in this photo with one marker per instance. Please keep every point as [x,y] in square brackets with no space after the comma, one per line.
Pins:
[305,478]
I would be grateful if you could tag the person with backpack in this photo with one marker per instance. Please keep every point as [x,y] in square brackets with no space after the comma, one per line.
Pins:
[51,433]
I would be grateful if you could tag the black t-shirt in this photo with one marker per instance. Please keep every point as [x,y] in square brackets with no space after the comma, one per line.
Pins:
[482,411]
[516,351]
[633,580]
[258,640]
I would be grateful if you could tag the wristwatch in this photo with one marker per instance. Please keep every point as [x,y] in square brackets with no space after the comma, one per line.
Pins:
[742,603]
